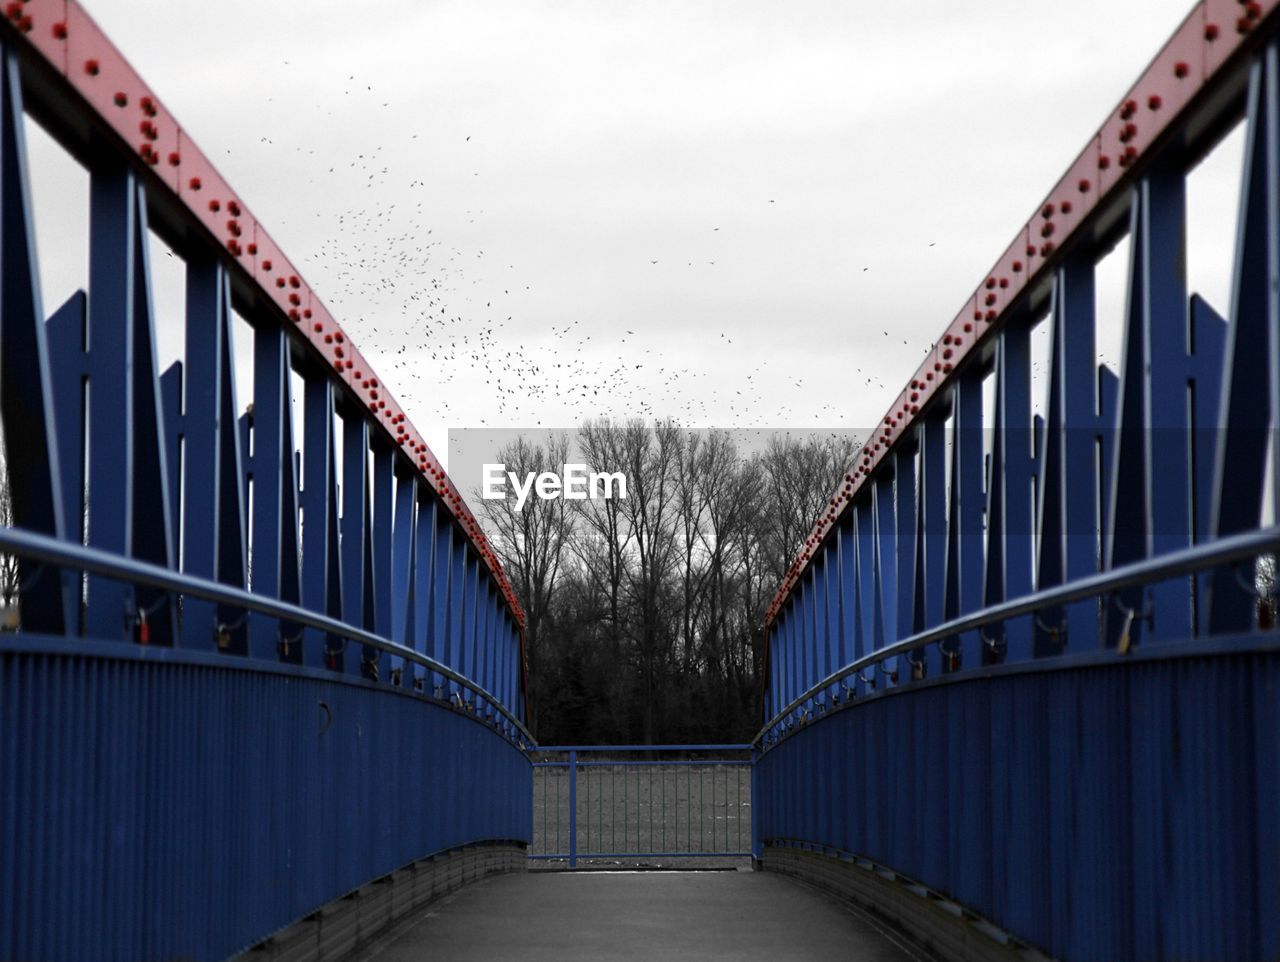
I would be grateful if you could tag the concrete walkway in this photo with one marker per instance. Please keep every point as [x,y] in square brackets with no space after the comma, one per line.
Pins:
[638,915]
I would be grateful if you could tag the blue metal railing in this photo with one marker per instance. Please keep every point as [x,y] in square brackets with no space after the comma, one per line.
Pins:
[605,805]
[1030,663]
[256,665]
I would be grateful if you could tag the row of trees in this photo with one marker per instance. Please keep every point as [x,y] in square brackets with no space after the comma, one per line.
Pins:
[644,613]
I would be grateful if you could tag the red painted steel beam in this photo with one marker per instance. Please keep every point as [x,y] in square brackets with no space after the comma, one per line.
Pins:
[1211,33]
[65,36]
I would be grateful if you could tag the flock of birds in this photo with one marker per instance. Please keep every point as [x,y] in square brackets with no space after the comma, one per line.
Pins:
[440,322]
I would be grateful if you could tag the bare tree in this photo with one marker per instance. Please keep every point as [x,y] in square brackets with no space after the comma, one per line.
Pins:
[531,542]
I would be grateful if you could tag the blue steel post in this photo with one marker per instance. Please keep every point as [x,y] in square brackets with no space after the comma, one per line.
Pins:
[355,528]
[26,398]
[381,496]
[321,558]
[573,809]
[931,538]
[112,227]
[1246,416]
[214,528]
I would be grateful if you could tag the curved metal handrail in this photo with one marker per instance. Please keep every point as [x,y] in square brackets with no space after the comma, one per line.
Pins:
[62,554]
[1187,561]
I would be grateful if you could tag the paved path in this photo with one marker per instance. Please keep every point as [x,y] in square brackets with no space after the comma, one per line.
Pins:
[638,915]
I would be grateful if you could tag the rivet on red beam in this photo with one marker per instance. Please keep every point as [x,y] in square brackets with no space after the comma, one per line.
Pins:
[1046,248]
[25,24]
[1181,69]
[193,183]
[59,31]
[148,106]
[215,206]
[1017,267]
[991,316]
[252,249]
[266,265]
[1084,185]
[338,336]
[1244,25]
[328,338]
[1253,10]
[1047,211]
[991,298]
[1154,102]
[1004,282]
[295,300]
[306,312]
[91,68]
[977,315]
[991,283]
[1031,250]
[233,208]
[120,98]
[1211,32]
[1104,162]
[1046,230]
[967,328]
[279,282]
[318,327]
[294,315]
[1128,109]
[337,365]
[293,281]
[350,364]
[1128,133]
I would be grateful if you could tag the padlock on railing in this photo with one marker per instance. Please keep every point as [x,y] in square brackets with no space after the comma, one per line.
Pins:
[142,630]
[222,635]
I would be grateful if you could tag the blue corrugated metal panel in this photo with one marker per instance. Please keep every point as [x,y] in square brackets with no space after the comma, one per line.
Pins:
[167,810]
[1073,789]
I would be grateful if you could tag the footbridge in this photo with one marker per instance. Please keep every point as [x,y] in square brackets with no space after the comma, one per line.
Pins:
[1022,684]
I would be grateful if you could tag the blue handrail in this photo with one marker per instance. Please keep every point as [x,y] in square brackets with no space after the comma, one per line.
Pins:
[53,551]
[1223,551]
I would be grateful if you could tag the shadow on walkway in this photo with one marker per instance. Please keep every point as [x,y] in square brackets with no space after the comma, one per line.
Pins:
[638,915]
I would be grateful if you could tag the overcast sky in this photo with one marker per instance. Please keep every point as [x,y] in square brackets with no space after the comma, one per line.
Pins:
[533,213]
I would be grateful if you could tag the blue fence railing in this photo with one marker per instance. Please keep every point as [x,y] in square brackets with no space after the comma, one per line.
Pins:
[651,805]
[254,657]
[1029,663]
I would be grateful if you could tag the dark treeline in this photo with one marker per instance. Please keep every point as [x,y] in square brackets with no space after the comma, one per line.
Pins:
[644,614]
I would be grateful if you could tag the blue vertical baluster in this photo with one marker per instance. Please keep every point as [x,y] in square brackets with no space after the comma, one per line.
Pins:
[403,600]
[214,540]
[573,809]
[321,558]
[355,526]
[111,278]
[382,496]
[931,539]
